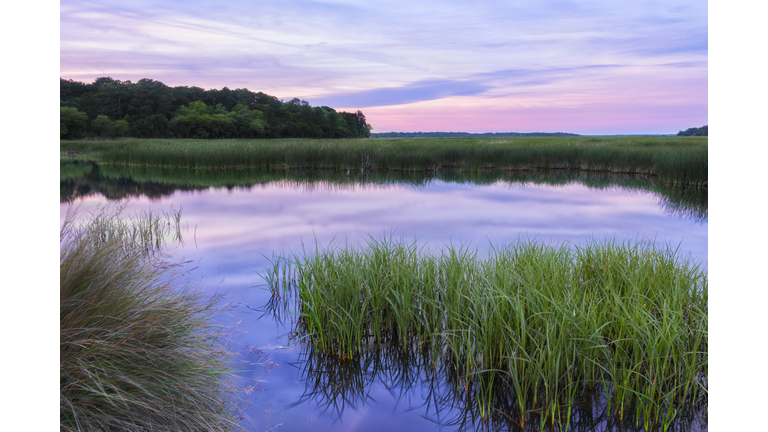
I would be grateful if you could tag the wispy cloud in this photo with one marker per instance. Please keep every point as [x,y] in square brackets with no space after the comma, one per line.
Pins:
[413,92]
[353,55]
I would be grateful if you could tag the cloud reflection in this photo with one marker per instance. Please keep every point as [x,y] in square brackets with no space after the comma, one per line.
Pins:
[242,224]
[239,230]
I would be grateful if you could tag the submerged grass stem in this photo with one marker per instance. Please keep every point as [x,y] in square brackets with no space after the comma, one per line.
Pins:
[550,322]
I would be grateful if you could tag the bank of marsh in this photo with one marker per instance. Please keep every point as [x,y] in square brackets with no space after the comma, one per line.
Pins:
[675,159]
[547,323]
[139,349]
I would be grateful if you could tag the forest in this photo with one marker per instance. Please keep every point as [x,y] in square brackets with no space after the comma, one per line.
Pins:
[109,109]
[702,131]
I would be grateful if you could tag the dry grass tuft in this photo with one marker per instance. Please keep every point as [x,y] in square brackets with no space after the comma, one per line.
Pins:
[138,348]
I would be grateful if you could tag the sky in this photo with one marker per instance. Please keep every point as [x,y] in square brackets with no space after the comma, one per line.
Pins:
[587,67]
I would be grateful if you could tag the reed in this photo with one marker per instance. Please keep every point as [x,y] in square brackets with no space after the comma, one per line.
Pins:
[550,323]
[139,349]
[677,159]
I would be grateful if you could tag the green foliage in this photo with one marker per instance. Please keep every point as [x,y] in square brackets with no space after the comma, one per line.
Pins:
[154,110]
[702,131]
[121,128]
[103,127]
[71,122]
[199,107]
[549,323]
[74,171]
[153,125]
[138,347]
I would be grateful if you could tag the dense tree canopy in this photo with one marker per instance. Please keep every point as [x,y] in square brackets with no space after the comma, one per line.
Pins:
[111,108]
[702,131]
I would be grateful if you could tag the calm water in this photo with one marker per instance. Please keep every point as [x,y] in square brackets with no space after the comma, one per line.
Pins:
[234,231]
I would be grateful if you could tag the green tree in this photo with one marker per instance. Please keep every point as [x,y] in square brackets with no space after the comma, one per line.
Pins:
[121,128]
[152,126]
[222,126]
[150,97]
[702,131]
[71,122]
[148,105]
[103,126]
[115,92]
[257,127]
[200,107]
[182,126]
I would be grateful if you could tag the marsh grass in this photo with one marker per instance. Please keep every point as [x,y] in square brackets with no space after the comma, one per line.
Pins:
[676,159]
[548,325]
[74,170]
[139,349]
[335,386]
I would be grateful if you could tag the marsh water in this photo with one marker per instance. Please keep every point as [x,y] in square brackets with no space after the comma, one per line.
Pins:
[234,223]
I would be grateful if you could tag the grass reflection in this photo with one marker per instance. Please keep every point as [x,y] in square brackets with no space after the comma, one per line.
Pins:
[336,386]
[117,182]
[524,337]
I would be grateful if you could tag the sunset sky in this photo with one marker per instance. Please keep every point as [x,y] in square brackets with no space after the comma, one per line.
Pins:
[588,67]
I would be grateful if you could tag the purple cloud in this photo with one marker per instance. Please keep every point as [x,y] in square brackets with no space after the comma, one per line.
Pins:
[547,55]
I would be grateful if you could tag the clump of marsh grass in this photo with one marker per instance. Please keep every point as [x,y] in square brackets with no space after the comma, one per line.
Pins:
[550,323]
[138,348]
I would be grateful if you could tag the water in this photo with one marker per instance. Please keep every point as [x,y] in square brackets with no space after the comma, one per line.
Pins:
[234,231]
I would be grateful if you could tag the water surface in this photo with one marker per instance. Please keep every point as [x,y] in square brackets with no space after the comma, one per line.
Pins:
[234,230]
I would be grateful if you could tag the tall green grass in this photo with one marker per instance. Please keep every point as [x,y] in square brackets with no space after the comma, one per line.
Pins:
[677,159]
[550,324]
[139,349]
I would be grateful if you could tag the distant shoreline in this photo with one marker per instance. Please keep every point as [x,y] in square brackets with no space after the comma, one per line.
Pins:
[499,135]
[470,134]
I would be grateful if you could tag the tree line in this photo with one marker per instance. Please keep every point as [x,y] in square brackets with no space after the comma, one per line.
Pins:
[109,108]
[702,131]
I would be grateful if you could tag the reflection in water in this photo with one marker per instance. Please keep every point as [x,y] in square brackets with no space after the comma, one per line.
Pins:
[440,395]
[686,202]
[236,219]
[117,182]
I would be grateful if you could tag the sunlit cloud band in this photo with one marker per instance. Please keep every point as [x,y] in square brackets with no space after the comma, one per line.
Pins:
[574,66]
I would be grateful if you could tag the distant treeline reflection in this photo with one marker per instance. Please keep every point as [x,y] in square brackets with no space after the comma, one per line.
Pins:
[117,182]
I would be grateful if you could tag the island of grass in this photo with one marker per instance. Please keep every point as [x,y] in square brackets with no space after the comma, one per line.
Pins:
[680,160]
[536,325]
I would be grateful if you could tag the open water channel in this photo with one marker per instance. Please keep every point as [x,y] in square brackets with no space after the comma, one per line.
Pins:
[233,231]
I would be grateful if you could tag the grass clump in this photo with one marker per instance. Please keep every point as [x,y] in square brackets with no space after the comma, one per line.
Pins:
[138,348]
[548,324]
